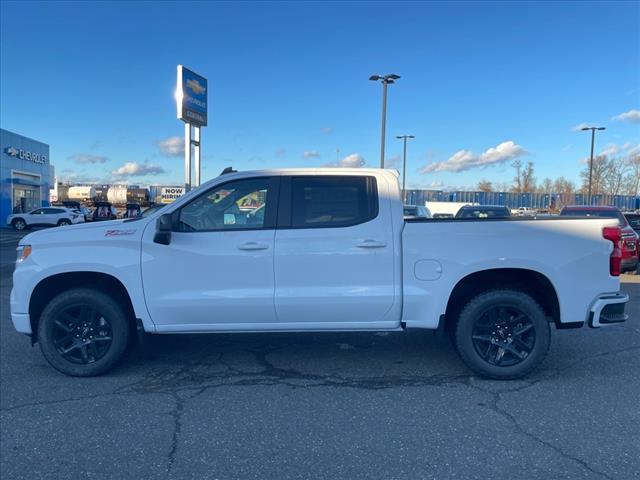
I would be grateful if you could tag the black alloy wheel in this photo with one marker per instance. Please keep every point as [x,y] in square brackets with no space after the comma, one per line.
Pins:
[504,336]
[81,335]
[84,332]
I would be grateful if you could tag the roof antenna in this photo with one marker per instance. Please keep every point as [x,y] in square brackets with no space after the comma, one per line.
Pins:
[228,170]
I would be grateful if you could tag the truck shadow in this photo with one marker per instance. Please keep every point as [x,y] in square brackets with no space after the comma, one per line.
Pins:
[174,363]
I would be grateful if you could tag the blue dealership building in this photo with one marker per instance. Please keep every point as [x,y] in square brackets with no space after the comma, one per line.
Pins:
[26,174]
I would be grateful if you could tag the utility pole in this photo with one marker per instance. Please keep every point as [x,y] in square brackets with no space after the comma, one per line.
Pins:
[385,80]
[404,164]
[593,139]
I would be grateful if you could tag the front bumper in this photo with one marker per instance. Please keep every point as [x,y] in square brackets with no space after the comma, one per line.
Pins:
[21,322]
[608,309]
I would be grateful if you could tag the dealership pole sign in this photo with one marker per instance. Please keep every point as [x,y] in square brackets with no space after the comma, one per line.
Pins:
[192,97]
[191,101]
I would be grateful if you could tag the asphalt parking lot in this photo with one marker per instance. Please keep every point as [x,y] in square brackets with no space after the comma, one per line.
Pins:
[282,406]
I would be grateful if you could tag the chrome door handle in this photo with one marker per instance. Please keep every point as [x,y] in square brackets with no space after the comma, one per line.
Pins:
[371,244]
[253,246]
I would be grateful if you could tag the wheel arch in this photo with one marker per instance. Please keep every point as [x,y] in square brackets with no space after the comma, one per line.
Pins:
[51,286]
[529,281]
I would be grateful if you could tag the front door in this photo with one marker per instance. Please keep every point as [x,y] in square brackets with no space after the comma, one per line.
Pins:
[217,271]
[334,261]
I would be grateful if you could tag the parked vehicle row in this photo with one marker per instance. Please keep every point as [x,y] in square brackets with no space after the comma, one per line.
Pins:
[71,212]
[46,217]
[630,245]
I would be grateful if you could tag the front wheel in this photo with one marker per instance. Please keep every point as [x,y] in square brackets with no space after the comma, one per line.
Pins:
[19,224]
[83,332]
[502,334]
[64,222]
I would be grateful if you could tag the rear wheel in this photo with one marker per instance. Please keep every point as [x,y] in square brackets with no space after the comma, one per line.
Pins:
[83,333]
[502,334]
[64,222]
[19,224]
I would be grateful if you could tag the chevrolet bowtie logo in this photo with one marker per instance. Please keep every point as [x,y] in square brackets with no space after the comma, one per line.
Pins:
[12,151]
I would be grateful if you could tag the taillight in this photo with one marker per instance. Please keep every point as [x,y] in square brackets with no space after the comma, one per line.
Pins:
[614,234]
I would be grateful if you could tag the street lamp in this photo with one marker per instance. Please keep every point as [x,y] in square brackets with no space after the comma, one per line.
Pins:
[385,80]
[404,163]
[593,137]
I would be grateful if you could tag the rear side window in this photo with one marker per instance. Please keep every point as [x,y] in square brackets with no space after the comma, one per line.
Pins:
[333,201]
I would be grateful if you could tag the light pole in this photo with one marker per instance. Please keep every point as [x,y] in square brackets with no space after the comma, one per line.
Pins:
[385,80]
[404,163]
[593,138]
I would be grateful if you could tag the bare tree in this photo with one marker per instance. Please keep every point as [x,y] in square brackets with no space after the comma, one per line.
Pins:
[525,180]
[566,189]
[517,180]
[632,184]
[485,186]
[546,186]
[615,176]
[599,172]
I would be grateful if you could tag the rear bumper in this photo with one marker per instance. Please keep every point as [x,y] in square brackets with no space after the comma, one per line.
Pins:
[629,264]
[608,309]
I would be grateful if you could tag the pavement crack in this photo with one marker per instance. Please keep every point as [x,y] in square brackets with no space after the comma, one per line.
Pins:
[495,407]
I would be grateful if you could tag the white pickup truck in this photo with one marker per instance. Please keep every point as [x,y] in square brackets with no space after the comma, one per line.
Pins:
[314,250]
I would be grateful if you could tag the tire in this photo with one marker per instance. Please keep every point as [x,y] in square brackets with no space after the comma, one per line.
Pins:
[19,224]
[502,334]
[64,222]
[89,326]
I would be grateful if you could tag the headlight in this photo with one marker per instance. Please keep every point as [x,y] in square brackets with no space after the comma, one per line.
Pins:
[23,252]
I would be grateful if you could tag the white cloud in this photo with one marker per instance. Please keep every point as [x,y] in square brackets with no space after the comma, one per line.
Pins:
[614,150]
[87,158]
[311,154]
[355,160]
[465,159]
[579,127]
[135,169]
[610,150]
[632,116]
[172,146]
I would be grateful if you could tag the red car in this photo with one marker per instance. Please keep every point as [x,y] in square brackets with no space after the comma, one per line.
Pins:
[630,242]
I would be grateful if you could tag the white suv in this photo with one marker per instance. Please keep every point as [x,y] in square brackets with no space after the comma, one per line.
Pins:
[47,216]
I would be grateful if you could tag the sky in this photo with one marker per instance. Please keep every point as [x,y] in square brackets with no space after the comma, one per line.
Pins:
[482,84]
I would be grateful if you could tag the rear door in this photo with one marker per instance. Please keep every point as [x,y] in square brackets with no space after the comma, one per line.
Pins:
[334,254]
[53,215]
[37,217]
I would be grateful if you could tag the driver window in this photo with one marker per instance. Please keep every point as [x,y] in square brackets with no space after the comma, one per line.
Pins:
[233,206]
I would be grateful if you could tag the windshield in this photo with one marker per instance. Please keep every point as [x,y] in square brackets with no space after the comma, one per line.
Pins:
[410,211]
[467,212]
[151,210]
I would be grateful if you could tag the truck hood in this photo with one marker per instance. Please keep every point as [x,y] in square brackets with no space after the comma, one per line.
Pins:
[87,231]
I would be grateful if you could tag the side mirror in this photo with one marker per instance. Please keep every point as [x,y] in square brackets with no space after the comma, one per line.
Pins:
[164,225]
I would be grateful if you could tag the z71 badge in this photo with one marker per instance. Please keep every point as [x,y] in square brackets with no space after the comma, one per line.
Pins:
[118,233]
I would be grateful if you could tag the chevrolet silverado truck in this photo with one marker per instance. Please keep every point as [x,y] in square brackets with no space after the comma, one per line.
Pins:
[314,250]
